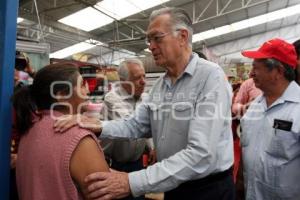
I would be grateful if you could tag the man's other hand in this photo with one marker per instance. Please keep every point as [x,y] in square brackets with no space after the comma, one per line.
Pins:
[108,185]
[152,157]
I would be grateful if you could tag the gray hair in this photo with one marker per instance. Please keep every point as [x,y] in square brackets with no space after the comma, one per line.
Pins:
[179,20]
[272,63]
[123,69]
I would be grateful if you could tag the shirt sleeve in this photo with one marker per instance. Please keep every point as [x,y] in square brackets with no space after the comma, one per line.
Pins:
[209,130]
[136,126]
[115,108]
[242,98]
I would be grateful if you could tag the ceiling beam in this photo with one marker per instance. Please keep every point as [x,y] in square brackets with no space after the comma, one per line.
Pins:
[223,12]
[203,11]
[59,7]
[225,7]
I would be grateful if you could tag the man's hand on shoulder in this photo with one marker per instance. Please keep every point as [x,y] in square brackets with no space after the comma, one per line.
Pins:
[65,122]
[92,123]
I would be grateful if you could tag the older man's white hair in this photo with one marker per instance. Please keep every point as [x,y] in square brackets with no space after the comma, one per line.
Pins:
[180,19]
[123,69]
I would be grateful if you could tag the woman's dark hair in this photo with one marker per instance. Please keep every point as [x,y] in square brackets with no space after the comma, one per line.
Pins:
[38,96]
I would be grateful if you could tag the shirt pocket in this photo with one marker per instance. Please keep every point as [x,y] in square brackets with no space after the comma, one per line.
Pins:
[284,145]
[182,113]
[267,191]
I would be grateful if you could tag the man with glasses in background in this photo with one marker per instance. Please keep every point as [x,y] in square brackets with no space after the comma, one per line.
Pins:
[189,117]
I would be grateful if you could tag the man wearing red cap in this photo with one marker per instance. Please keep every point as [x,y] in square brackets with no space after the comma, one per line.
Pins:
[271,128]
[297,47]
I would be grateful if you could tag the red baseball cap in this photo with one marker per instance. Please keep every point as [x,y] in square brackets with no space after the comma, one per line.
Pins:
[277,49]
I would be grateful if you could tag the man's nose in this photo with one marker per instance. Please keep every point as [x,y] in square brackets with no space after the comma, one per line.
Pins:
[143,81]
[152,45]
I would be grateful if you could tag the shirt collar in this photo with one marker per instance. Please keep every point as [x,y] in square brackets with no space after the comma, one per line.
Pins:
[288,95]
[123,93]
[190,68]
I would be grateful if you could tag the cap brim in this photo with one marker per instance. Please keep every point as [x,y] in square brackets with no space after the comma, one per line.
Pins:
[254,54]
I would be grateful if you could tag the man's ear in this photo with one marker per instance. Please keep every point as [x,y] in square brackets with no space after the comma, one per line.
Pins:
[281,71]
[184,35]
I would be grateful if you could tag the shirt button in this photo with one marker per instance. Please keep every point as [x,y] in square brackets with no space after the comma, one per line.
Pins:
[168,95]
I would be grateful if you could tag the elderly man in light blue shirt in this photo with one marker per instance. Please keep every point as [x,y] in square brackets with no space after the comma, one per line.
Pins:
[188,114]
[271,130]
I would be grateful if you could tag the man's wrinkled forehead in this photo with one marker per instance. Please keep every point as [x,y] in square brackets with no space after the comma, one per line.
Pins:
[159,24]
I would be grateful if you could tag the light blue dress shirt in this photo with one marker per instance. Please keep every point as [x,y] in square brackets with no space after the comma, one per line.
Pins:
[190,122]
[272,156]
[119,104]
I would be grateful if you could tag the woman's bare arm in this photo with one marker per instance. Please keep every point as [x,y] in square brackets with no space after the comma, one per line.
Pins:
[86,159]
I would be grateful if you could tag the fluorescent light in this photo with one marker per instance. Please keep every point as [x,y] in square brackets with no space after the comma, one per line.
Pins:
[86,19]
[20,19]
[115,8]
[76,48]
[89,18]
[262,19]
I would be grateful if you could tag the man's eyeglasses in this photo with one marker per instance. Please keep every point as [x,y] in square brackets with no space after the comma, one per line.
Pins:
[157,38]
